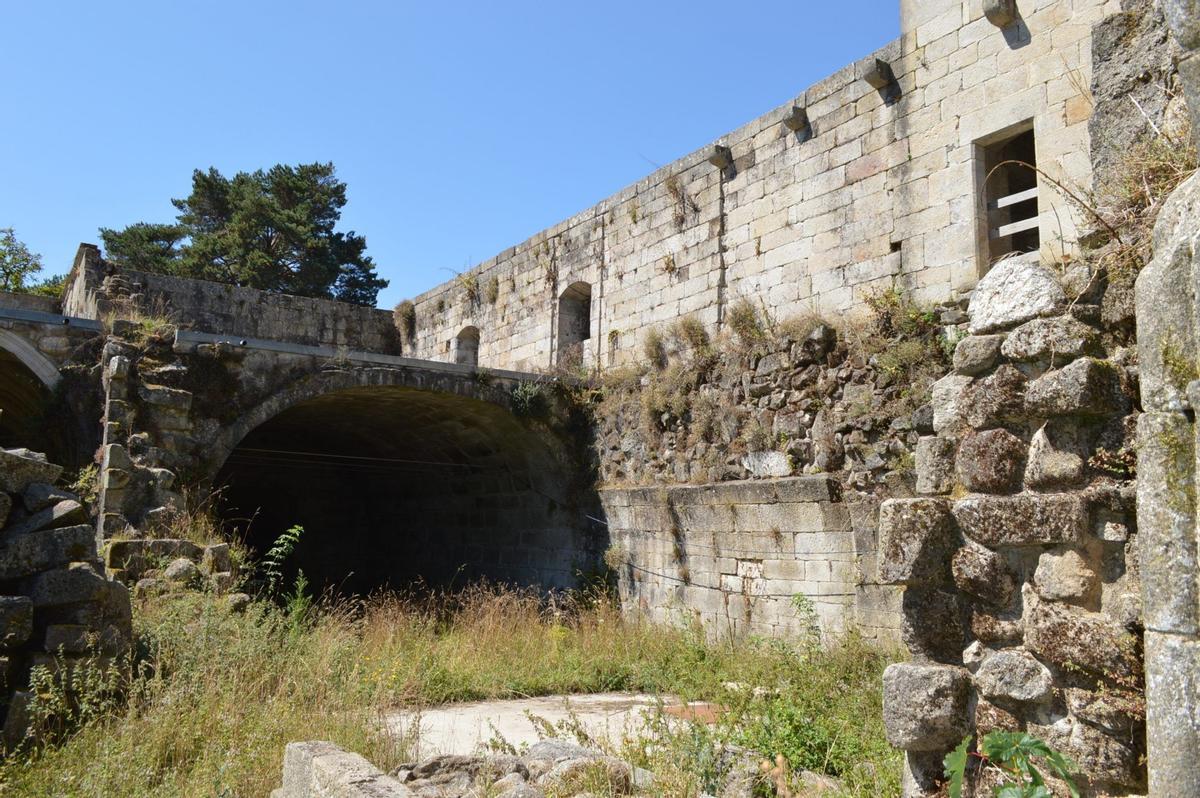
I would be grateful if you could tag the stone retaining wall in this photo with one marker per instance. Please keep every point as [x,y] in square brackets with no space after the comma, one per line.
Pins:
[770,557]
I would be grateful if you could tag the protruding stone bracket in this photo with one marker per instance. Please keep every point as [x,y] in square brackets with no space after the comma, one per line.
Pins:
[722,157]
[880,76]
[1001,13]
[797,122]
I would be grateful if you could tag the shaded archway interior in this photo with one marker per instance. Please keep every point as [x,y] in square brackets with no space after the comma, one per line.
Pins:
[397,487]
[24,400]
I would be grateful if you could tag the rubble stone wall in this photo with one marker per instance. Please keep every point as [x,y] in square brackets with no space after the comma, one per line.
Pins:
[56,607]
[870,176]
[1021,563]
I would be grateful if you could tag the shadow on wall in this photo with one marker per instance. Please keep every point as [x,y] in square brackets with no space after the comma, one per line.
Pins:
[399,487]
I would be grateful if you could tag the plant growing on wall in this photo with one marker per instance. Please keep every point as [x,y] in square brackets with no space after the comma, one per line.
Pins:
[1012,756]
[406,319]
[492,292]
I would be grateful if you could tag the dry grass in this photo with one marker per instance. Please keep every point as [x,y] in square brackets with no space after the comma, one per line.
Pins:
[217,695]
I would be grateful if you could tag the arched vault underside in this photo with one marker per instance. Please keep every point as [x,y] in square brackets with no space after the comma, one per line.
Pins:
[397,486]
[24,398]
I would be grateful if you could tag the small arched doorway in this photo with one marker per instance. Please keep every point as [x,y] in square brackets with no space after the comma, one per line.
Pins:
[466,347]
[574,323]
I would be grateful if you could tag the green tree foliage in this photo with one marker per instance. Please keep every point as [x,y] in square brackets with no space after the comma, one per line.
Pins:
[18,265]
[271,230]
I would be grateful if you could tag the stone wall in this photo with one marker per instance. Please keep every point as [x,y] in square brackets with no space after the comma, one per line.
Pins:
[768,557]
[95,290]
[1021,563]
[871,176]
[57,610]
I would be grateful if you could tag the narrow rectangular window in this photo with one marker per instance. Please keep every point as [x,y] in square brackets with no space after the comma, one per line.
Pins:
[1009,196]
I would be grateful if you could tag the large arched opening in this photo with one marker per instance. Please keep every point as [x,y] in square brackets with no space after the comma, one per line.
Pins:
[400,486]
[27,379]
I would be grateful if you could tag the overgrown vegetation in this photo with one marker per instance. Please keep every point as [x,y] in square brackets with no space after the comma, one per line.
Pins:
[211,696]
[405,314]
[1012,758]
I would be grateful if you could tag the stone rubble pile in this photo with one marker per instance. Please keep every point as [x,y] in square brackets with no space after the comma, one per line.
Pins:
[1022,605]
[56,607]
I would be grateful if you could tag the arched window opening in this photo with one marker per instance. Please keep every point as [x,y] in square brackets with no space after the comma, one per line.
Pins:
[466,347]
[574,323]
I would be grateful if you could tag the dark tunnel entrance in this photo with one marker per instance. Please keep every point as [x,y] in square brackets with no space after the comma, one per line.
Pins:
[24,400]
[399,487]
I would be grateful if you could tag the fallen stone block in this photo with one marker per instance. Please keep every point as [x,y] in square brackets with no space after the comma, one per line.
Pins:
[1066,635]
[19,468]
[38,551]
[1059,340]
[983,573]
[40,495]
[976,354]
[64,513]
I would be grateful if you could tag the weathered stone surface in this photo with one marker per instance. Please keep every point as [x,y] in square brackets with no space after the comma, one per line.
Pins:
[76,583]
[16,621]
[982,573]
[934,625]
[989,717]
[1104,759]
[935,465]
[1084,387]
[1069,574]
[1166,523]
[995,399]
[40,495]
[916,537]
[1022,520]
[181,571]
[5,508]
[39,551]
[1055,458]
[1014,676]
[991,461]
[1058,340]
[19,468]
[1063,634]
[82,639]
[767,464]
[995,629]
[1016,290]
[976,354]
[1167,354]
[1172,662]
[925,706]
[946,400]
[1101,709]
[136,554]
[65,513]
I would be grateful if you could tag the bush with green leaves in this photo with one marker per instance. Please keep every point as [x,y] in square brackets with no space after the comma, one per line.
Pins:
[1012,756]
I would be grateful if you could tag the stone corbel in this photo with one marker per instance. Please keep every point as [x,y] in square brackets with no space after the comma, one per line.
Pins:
[1000,13]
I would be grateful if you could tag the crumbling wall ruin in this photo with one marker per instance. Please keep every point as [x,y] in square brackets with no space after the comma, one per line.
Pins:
[1020,564]
[57,610]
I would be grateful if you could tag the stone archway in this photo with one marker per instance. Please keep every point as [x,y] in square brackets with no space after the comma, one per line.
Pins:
[400,479]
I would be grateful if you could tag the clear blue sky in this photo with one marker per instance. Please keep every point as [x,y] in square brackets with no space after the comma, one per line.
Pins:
[460,128]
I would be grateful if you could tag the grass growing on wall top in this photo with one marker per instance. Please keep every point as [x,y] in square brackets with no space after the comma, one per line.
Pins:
[217,695]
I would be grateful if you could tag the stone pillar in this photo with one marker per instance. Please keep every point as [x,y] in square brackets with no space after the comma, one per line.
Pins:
[1167,329]
[1183,17]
